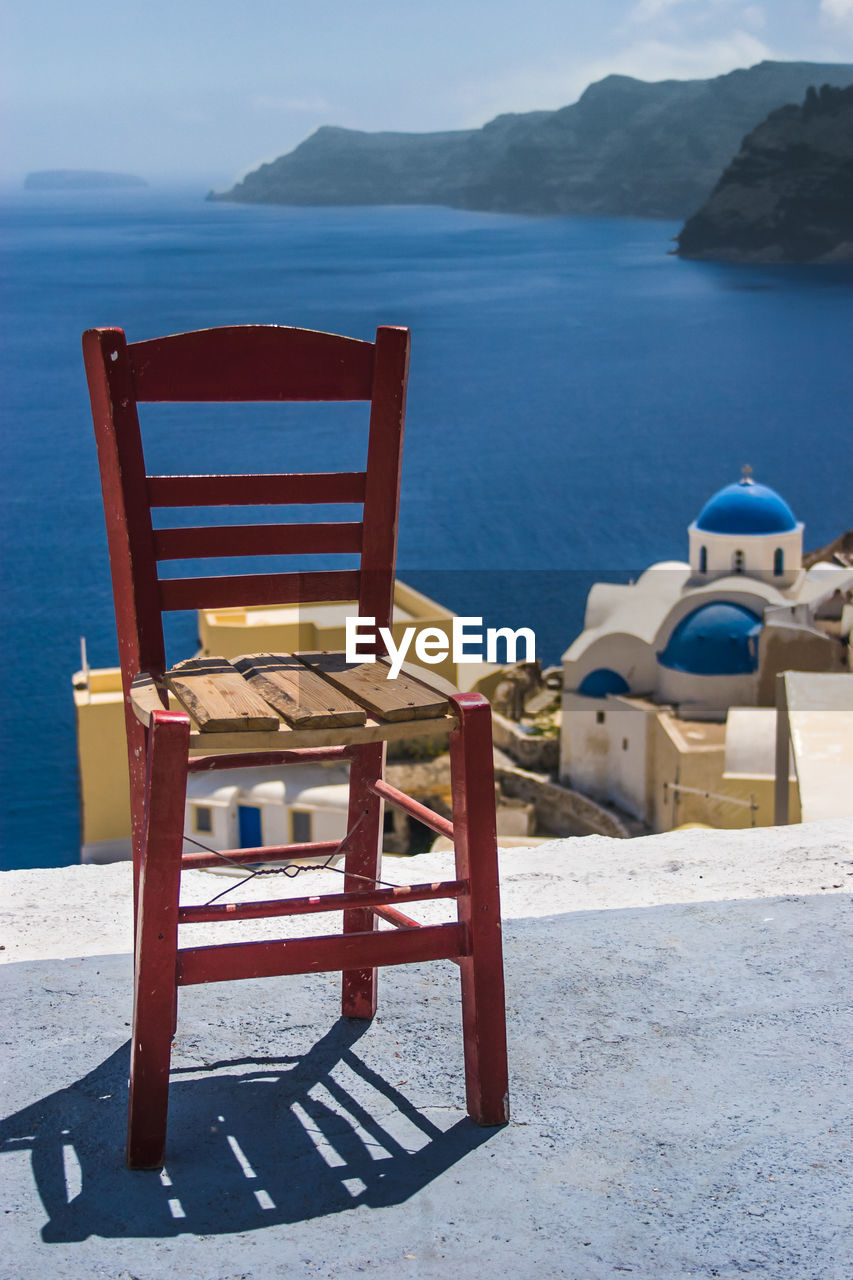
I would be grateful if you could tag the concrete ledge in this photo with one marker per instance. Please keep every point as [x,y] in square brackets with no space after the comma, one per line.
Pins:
[679,1025]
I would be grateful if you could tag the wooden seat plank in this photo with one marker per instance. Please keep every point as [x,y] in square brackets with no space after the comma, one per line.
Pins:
[218,698]
[368,683]
[303,697]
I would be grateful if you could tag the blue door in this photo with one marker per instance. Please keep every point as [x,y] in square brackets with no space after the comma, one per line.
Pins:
[249,819]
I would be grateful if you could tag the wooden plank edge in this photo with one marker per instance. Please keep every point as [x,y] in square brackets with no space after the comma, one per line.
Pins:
[371,731]
[145,698]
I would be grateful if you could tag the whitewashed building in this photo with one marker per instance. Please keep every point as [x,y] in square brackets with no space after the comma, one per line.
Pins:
[248,808]
[694,638]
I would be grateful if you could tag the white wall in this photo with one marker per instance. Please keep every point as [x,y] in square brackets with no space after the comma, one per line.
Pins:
[318,789]
[758,551]
[607,759]
[716,693]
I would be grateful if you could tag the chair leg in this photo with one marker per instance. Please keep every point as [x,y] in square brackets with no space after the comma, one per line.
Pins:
[363,859]
[483,1003]
[155,991]
[137,767]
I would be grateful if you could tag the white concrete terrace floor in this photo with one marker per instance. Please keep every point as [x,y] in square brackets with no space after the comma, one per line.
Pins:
[680,1032]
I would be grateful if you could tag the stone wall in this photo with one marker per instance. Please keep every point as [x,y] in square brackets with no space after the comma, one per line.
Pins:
[531,751]
[560,811]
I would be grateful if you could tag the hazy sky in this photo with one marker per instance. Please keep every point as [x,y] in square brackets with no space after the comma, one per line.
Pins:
[210,88]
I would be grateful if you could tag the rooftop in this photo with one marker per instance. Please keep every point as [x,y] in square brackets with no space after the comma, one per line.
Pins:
[694,734]
[746,508]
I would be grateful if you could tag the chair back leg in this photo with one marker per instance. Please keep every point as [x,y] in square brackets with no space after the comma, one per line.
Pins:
[155,987]
[475,839]
[362,865]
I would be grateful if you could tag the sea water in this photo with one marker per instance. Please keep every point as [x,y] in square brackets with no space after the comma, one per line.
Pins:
[576,394]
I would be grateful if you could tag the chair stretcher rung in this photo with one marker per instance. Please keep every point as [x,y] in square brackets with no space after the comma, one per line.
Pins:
[261,759]
[267,853]
[402,921]
[398,798]
[231,961]
[376,898]
[397,918]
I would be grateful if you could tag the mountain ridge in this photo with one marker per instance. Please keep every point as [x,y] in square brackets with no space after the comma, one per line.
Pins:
[626,147]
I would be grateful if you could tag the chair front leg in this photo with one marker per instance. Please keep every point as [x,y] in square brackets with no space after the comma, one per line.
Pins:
[362,865]
[475,838]
[137,754]
[155,990]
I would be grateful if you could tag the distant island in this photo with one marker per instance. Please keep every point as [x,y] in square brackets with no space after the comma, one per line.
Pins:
[788,194]
[627,147]
[79,180]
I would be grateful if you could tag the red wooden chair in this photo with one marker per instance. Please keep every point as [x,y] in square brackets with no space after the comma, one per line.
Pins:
[269,363]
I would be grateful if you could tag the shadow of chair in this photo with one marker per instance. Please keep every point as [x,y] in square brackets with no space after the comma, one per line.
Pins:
[260,1141]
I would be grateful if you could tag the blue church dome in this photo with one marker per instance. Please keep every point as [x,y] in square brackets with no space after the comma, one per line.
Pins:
[718,639]
[745,508]
[601,681]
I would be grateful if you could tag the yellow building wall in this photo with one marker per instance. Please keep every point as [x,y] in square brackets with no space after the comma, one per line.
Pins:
[672,761]
[102,757]
[699,767]
[228,633]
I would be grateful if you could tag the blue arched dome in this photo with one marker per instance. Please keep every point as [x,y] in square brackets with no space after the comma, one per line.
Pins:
[746,508]
[718,639]
[601,681]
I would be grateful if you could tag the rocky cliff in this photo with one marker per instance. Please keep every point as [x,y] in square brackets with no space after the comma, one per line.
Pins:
[626,147]
[788,194]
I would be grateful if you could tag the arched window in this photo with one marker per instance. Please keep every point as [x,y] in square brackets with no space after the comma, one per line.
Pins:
[778,562]
[703,559]
[738,562]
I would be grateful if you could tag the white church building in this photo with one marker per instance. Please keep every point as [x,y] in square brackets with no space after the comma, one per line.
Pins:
[686,642]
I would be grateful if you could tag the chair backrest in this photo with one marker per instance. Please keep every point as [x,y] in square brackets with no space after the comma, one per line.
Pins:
[243,363]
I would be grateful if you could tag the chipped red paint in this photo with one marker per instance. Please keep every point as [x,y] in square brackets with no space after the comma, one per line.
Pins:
[272,363]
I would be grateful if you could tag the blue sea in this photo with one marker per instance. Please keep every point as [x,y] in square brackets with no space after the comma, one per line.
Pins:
[576,394]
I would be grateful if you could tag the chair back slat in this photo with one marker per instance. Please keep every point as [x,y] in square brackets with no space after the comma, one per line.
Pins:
[252,363]
[256,490]
[259,588]
[257,540]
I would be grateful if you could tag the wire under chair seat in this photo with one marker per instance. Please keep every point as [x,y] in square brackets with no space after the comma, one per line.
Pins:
[380,900]
[451,940]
